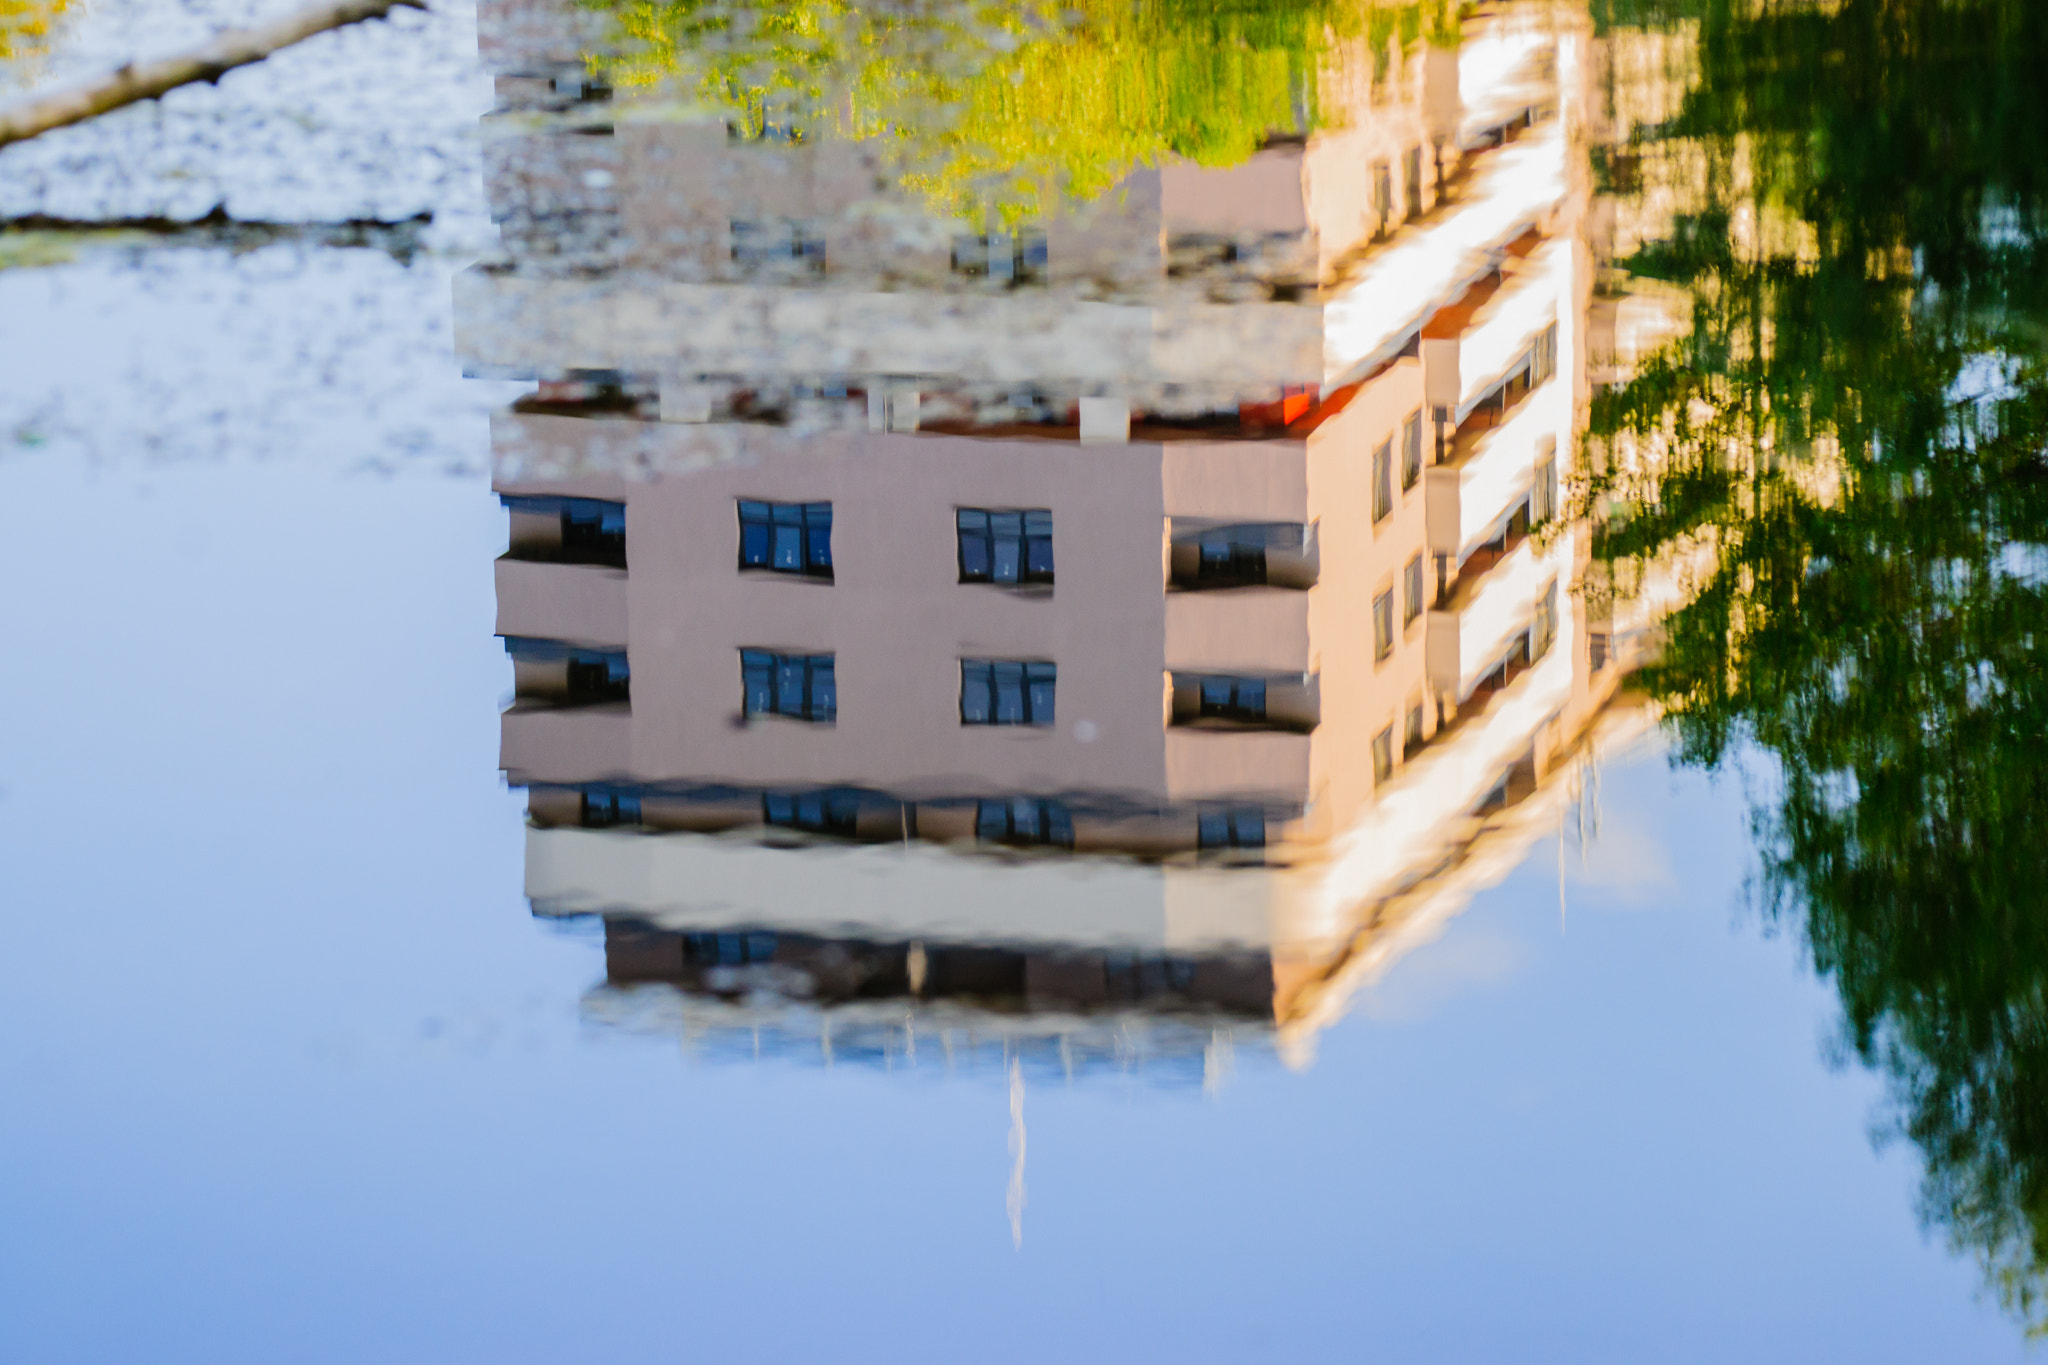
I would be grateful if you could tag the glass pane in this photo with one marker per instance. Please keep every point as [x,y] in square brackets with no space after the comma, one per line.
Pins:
[1009,688]
[753,511]
[976,704]
[1041,701]
[1251,698]
[1215,694]
[788,552]
[1248,829]
[1059,825]
[1009,556]
[754,543]
[1038,558]
[779,810]
[1024,819]
[1038,523]
[758,687]
[789,686]
[1212,829]
[1006,523]
[991,820]
[974,556]
[973,519]
[824,689]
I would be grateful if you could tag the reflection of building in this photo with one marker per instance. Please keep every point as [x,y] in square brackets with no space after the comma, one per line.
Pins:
[882,583]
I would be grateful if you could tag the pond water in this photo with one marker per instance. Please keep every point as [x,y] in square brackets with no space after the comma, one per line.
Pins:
[1119,681]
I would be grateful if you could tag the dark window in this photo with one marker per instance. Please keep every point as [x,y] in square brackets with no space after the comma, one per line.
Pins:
[1411,590]
[1412,740]
[1241,699]
[1544,629]
[787,537]
[1543,356]
[1006,692]
[777,242]
[727,950]
[815,812]
[604,808]
[593,529]
[1411,450]
[1222,827]
[1383,194]
[798,685]
[1441,419]
[599,677]
[1229,555]
[1411,181]
[1383,625]
[1383,755]
[1596,650]
[1005,547]
[588,675]
[785,134]
[1543,498]
[1025,820]
[1383,480]
[1004,257]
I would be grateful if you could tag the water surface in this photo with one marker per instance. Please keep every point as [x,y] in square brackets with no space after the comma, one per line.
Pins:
[1101,681]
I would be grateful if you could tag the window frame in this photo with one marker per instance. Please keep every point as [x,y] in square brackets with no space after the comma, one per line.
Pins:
[1053,821]
[815,668]
[1242,829]
[1383,626]
[1036,697]
[1383,755]
[1034,561]
[1238,698]
[1383,481]
[837,811]
[810,521]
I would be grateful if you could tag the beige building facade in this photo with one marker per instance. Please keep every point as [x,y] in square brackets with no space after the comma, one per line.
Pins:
[1126,613]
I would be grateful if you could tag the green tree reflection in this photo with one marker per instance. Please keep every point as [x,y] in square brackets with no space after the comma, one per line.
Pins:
[1003,106]
[1855,428]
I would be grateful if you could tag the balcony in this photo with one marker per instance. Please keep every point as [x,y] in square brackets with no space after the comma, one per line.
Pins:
[1204,555]
[585,603]
[1470,634]
[1473,345]
[1221,764]
[1492,468]
[1264,630]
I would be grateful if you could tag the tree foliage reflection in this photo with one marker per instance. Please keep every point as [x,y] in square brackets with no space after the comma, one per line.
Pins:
[1005,106]
[1854,428]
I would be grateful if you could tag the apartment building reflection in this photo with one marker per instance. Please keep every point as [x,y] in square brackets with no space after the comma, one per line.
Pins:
[1094,641]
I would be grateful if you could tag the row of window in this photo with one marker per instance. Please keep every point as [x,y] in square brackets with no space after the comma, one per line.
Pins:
[792,244]
[995,546]
[1017,821]
[1383,466]
[1412,586]
[805,687]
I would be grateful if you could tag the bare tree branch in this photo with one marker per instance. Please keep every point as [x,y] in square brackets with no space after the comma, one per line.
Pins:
[228,49]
